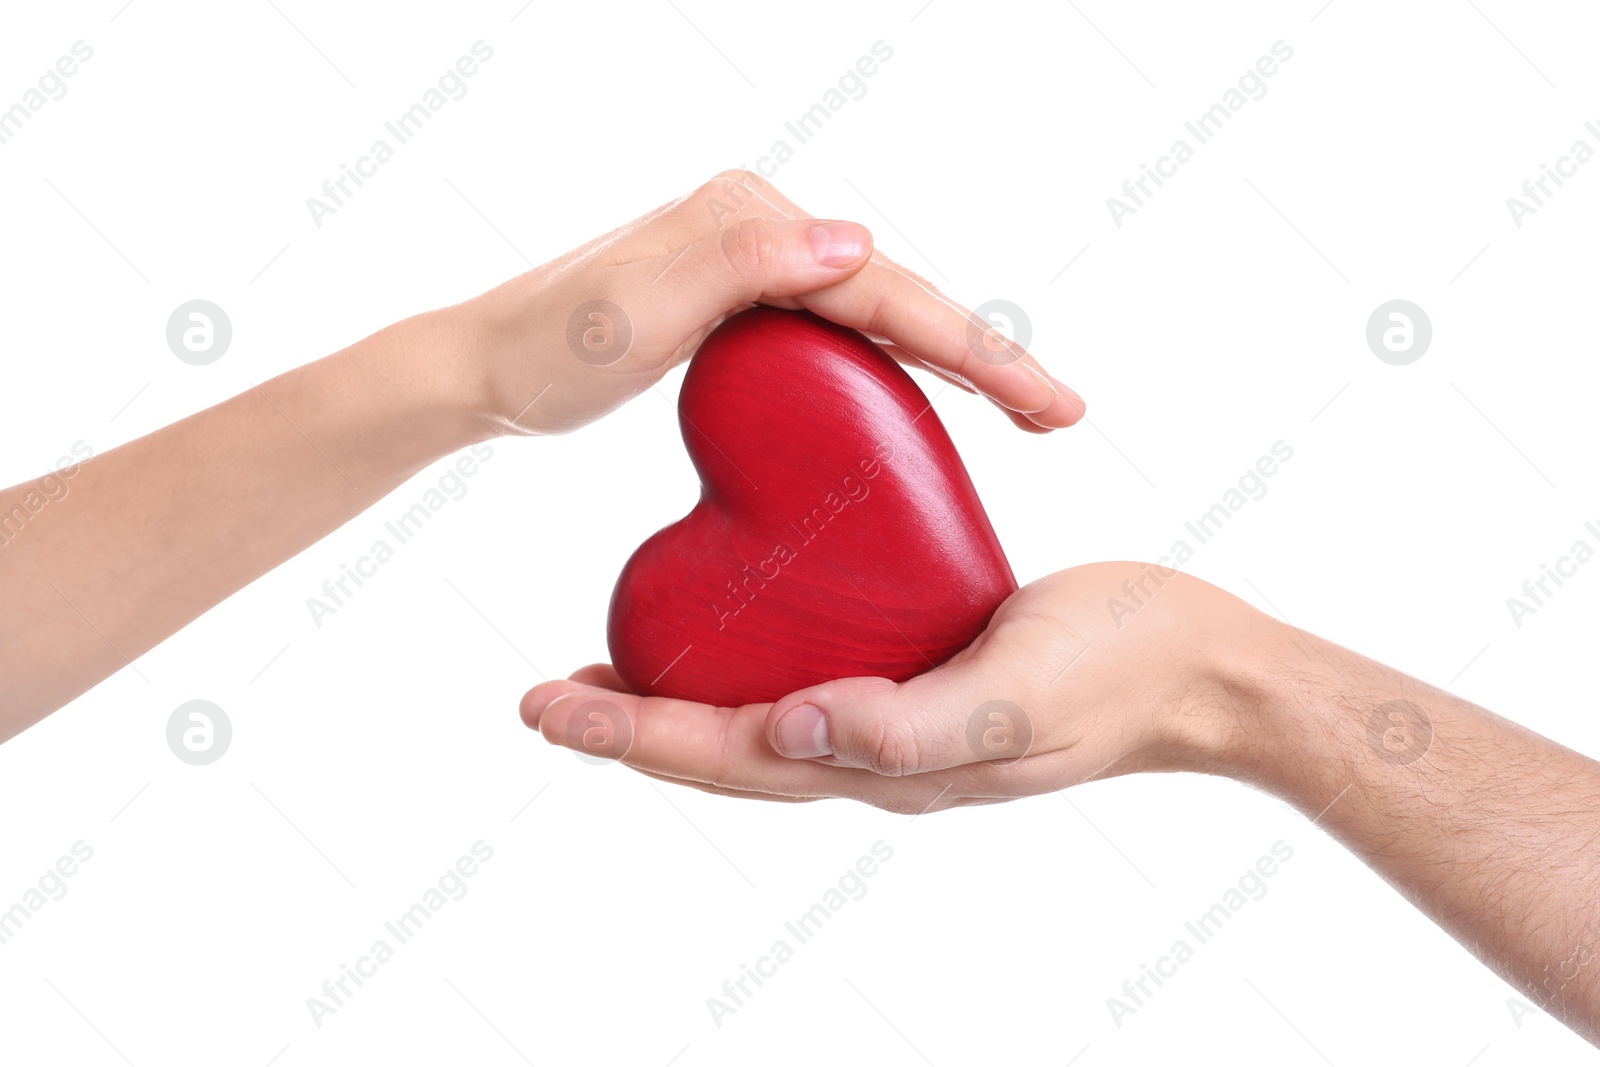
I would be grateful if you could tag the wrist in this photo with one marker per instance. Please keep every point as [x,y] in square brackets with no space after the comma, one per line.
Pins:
[508,371]
[396,397]
[1233,707]
[445,352]
[1292,733]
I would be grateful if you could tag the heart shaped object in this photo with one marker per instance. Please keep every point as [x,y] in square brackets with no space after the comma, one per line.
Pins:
[837,533]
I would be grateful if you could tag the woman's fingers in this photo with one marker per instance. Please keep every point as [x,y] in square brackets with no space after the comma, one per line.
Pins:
[883,298]
[888,300]
[721,203]
[1020,420]
[900,355]
[756,260]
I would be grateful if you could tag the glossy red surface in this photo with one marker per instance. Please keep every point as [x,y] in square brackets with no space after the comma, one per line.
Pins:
[837,534]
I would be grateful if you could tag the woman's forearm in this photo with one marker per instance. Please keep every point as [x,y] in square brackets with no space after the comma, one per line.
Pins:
[1486,826]
[150,535]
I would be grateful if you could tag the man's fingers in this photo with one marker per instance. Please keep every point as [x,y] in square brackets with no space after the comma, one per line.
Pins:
[697,743]
[737,794]
[601,676]
[727,751]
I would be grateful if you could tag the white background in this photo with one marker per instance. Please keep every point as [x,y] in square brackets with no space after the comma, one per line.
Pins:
[1226,315]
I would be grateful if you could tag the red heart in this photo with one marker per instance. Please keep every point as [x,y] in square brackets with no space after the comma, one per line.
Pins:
[837,533]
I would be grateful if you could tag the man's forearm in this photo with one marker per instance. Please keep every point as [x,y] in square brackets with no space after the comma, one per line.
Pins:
[150,535]
[1487,827]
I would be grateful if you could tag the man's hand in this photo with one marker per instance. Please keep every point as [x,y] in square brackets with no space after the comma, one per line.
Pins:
[1056,691]
[1118,667]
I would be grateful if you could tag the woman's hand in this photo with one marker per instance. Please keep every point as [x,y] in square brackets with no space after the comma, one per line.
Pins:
[568,342]
[1091,672]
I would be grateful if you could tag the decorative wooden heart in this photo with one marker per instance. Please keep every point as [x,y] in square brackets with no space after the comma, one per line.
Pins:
[837,533]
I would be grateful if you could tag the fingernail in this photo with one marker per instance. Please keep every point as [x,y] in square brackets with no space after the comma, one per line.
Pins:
[803,733]
[839,244]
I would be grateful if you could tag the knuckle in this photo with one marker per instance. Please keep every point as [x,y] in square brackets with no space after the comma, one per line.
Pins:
[730,191]
[727,769]
[880,317]
[893,749]
[752,248]
[737,176]
[713,189]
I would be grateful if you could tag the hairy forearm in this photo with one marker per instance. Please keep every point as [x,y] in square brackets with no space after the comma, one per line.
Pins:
[150,535]
[1487,827]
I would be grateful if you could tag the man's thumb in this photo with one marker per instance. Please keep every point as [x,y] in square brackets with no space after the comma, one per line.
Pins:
[945,718]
